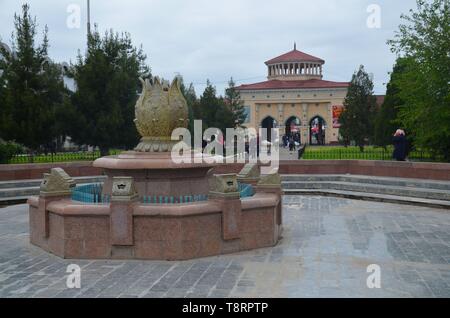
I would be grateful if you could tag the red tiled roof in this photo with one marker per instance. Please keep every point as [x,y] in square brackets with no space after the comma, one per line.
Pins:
[295,56]
[277,84]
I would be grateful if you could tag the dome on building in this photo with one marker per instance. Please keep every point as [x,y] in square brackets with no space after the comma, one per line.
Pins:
[295,65]
[295,56]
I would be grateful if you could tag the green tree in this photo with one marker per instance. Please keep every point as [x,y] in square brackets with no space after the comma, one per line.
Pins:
[32,87]
[208,106]
[107,81]
[8,150]
[213,110]
[191,99]
[225,117]
[424,39]
[386,121]
[234,102]
[359,110]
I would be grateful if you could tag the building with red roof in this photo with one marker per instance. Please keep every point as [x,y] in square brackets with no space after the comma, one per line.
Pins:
[296,99]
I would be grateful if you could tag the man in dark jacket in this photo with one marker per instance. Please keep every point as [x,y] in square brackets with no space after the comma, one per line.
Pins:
[399,142]
[291,144]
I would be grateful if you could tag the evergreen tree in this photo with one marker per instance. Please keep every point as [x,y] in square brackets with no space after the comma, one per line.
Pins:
[386,121]
[213,110]
[107,81]
[225,117]
[191,99]
[359,110]
[424,88]
[236,105]
[208,106]
[32,88]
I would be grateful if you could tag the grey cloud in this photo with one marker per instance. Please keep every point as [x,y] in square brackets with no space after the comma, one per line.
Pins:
[218,39]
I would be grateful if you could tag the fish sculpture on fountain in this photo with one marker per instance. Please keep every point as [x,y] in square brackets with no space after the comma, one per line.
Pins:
[160,109]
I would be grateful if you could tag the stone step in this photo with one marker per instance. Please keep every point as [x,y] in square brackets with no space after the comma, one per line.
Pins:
[403,182]
[37,182]
[425,193]
[13,200]
[439,204]
[32,188]
[14,192]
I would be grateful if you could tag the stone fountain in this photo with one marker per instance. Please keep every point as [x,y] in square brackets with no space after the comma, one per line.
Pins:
[153,208]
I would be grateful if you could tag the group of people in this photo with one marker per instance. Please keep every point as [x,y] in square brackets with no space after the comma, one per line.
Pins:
[291,141]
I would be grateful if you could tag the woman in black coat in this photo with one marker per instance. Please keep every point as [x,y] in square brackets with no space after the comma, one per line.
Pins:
[399,142]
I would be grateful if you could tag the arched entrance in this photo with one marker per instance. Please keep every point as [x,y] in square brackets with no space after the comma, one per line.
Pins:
[317,129]
[293,128]
[269,123]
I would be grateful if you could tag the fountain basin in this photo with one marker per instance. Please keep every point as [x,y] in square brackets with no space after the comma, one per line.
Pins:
[158,232]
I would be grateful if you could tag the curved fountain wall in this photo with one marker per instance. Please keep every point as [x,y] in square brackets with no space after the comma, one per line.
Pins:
[127,226]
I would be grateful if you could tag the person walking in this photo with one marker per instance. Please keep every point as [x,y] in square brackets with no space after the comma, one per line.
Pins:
[291,144]
[399,142]
[285,141]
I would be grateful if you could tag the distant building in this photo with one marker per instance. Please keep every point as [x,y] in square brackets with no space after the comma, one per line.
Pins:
[380,100]
[296,99]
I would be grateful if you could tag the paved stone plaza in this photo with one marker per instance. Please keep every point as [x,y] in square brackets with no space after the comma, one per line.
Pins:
[326,247]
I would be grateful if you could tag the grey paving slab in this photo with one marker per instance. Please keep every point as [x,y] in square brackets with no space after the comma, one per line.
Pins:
[327,245]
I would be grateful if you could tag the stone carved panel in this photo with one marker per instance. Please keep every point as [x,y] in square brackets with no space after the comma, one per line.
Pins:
[123,189]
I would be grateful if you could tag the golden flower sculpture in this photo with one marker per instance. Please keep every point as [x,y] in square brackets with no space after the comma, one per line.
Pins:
[160,109]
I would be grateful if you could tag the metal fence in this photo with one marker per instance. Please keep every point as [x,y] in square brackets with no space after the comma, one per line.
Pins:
[58,157]
[330,153]
[55,157]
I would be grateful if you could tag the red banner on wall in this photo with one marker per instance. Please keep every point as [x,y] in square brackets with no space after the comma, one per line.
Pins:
[337,111]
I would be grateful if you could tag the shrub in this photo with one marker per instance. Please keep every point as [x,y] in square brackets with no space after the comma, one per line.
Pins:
[8,150]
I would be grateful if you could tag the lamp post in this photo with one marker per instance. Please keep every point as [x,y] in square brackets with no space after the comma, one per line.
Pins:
[89,17]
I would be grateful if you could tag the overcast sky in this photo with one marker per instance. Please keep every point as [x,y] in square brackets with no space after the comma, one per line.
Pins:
[218,39]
